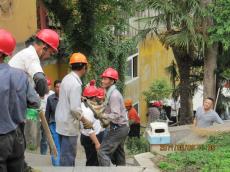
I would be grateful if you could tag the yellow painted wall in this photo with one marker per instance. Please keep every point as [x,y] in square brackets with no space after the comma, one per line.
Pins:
[152,61]
[55,71]
[19,17]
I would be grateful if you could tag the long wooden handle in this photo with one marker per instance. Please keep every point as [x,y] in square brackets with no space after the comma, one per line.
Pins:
[217,97]
[48,134]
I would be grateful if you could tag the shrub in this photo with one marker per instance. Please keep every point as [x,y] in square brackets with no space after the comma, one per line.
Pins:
[159,90]
[137,145]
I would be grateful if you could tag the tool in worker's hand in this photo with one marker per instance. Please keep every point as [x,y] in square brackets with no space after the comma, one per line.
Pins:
[48,134]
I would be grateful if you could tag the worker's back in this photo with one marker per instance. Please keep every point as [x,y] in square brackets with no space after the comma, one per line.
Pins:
[28,61]
[15,94]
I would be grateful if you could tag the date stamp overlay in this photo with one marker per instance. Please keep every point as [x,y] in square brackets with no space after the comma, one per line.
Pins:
[187,147]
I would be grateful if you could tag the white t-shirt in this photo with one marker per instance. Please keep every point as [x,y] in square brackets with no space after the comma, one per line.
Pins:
[175,106]
[28,61]
[44,100]
[88,114]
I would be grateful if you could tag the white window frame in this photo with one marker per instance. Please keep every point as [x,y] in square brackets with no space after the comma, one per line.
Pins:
[138,104]
[131,58]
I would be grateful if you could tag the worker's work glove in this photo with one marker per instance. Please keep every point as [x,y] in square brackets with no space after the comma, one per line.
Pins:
[32,114]
[76,115]
[99,112]
[131,122]
[93,103]
[104,123]
[86,123]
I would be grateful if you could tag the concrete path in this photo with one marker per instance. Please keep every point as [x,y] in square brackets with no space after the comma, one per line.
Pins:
[96,169]
[145,160]
[43,163]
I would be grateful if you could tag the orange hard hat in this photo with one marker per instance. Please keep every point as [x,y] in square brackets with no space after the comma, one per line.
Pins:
[78,58]
[100,93]
[128,102]
[91,90]
[7,42]
[110,73]
[50,37]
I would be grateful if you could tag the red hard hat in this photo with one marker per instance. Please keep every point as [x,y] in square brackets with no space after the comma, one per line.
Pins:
[157,104]
[91,90]
[100,93]
[110,73]
[50,37]
[7,42]
[49,82]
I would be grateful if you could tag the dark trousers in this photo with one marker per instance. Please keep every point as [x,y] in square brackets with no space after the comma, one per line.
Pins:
[112,147]
[68,150]
[90,151]
[134,130]
[12,147]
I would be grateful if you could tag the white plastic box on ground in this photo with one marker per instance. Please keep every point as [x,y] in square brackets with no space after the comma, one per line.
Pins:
[158,133]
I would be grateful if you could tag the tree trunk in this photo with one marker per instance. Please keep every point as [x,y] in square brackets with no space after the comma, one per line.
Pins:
[184,62]
[210,62]
[210,59]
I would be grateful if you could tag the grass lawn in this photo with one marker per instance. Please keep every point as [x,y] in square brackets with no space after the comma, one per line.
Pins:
[213,156]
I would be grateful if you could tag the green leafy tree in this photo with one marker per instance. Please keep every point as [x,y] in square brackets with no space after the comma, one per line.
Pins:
[172,71]
[96,29]
[178,25]
[219,34]
[159,90]
[220,31]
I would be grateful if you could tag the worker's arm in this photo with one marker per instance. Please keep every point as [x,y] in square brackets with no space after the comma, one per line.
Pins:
[74,95]
[48,109]
[94,139]
[75,106]
[115,108]
[41,85]
[33,100]
[218,119]
[34,69]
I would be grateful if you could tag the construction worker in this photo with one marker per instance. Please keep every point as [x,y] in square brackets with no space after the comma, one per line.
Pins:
[134,119]
[91,138]
[112,147]
[68,112]
[100,95]
[154,112]
[16,95]
[43,141]
[163,115]
[50,118]
[44,46]
[101,100]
